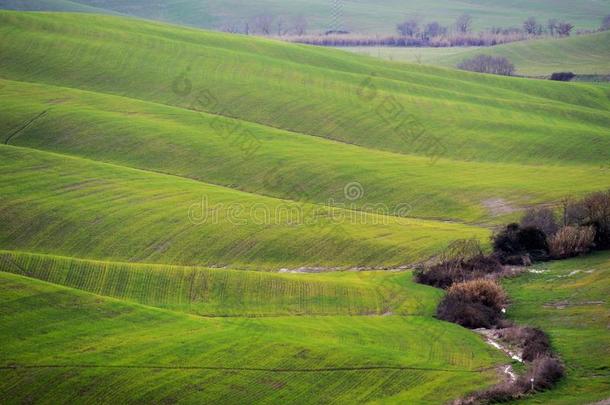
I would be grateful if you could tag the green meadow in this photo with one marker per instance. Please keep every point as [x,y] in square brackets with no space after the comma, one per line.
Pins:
[190,216]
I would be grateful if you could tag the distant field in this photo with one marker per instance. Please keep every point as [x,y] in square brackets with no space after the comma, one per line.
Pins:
[569,300]
[360,16]
[77,344]
[583,55]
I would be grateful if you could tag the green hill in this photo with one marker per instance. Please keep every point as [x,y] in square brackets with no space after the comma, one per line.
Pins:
[583,55]
[149,172]
[360,16]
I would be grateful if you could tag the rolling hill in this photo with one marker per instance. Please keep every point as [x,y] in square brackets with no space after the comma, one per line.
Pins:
[166,193]
[583,55]
[359,16]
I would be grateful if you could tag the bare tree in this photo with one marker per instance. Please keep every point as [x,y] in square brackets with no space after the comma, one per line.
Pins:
[531,26]
[281,27]
[463,24]
[564,29]
[488,64]
[300,25]
[409,27]
[434,29]
[230,27]
[262,23]
[551,25]
[605,23]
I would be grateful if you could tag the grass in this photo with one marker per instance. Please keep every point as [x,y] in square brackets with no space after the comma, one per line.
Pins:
[569,301]
[135,217]
[75,207]
[285,165]
[584,55]
[222,292]
[359,16]
[53,333]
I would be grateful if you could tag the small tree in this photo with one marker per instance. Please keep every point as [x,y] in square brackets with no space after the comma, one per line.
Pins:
[605,23]
[408,28]
[463,24]
[263,23]
[551,25]
[531,26]
[300,25]
[434,29]
[564,29]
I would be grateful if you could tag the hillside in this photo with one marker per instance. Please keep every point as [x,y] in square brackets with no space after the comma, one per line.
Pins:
[190,216]
[358,16]
[583,55]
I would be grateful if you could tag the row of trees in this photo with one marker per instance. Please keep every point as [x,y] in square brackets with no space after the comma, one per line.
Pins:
[413,27]
[266,24]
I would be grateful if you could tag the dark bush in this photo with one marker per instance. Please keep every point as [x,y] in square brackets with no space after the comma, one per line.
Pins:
[488,64]
[473,304]
[546,372]
[562,76]
[463,260]
[541,218]
[514,245]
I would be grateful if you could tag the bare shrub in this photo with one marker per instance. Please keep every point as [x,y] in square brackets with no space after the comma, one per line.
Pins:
[442,40]
[597,214]
[488,64]
[546,371]
[532,341]
[572,241]
[473,304]
[541,218]
[463,260]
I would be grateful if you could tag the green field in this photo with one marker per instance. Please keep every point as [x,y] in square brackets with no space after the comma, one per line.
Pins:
[167,192]
[358,16]
[583,55]
[569,300]
[73,343]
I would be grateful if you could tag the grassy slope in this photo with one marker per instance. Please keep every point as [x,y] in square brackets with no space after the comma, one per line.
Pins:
[313,91]
[220,292]
[583,55]
[286,165]
[570,302]
[361,16]
[46,325]
[76,207]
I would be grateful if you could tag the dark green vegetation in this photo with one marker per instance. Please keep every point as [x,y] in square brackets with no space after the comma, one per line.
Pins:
[146,169]
[569,301]
[361,16]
